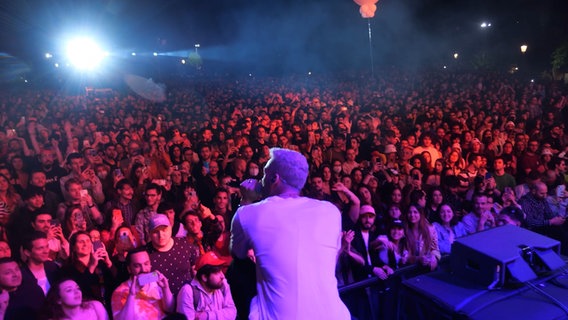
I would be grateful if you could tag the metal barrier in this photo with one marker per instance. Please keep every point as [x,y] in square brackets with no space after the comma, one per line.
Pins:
[382,298]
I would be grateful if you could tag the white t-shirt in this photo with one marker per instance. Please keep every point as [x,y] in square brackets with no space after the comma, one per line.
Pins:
[296,242]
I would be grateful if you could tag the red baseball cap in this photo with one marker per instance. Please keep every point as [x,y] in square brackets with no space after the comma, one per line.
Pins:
[209,258]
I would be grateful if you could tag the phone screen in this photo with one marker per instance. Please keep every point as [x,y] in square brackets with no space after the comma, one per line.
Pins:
[97,245]
[146,278]
[116,213]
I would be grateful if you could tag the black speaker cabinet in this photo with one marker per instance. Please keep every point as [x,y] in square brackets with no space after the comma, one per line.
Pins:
[494,257]
[442,296]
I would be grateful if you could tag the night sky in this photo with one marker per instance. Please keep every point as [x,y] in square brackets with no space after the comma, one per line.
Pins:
[292,34]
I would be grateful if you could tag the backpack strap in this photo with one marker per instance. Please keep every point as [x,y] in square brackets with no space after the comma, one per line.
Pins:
[196,297]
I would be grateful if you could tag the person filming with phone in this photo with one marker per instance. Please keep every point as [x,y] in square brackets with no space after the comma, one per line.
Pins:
[86,177]
[146,295]
[81,198]
[89,265]
[58,244]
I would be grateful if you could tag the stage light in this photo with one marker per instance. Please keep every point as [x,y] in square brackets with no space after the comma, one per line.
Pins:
[84,53]
[133,54]
[56,65]
[155,54]
[48,55]
[183,61]
[524,48]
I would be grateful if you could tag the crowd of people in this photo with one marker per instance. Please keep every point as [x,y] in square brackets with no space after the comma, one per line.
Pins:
[113,205]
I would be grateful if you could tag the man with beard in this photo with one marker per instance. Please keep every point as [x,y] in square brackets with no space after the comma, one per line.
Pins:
[208,295]
[124,202]
[109,155]
[364,303]
[539,216]
[51,199]
[365,235]
[139,299]
[53,172]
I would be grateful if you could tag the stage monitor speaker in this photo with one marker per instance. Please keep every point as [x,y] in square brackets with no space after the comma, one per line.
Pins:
[503,255]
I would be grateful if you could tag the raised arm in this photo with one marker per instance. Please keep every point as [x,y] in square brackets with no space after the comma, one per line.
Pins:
[354,202]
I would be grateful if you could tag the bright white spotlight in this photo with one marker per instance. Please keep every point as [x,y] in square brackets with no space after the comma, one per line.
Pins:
[56,65]
[183,61]
[155,54]
[84,53]
[48,55]
[133,54]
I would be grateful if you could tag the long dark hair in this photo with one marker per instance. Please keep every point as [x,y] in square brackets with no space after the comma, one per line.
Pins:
[423,229]
[53,309]
[69,217]
[73,261]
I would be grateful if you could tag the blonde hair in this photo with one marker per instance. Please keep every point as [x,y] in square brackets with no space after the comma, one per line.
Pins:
[290,165]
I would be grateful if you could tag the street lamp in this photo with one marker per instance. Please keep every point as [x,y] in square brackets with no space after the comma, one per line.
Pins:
[456,55]
[524,48]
